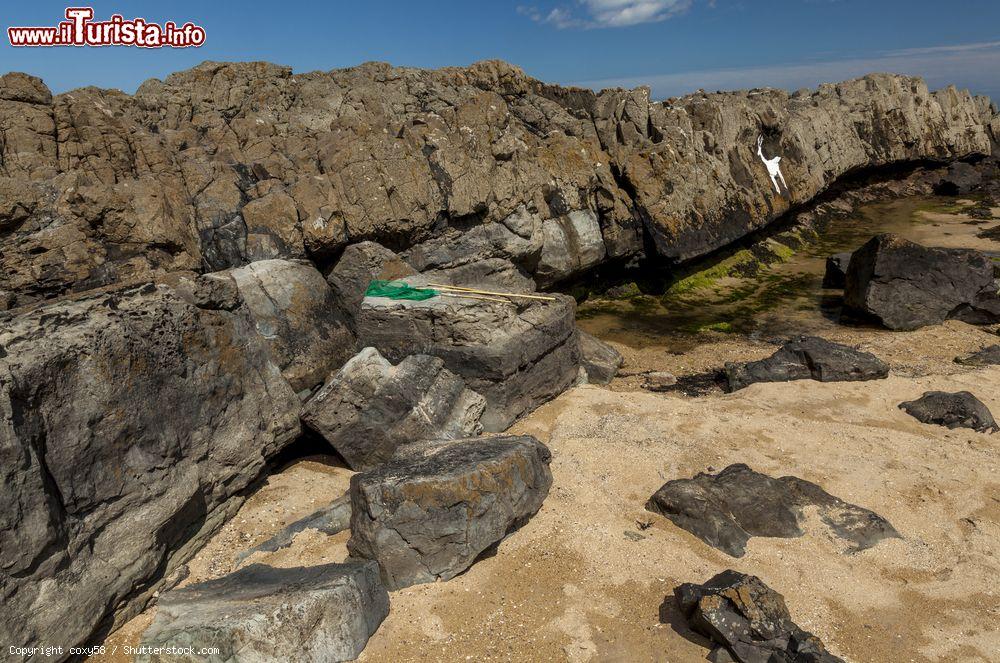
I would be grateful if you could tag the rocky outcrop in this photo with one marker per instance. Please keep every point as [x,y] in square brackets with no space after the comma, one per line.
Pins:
[427,514]
[130,422]
[600,360]
[295,312]
[747,621]
[369,408]
[958,410]
[808,358]
[989,356]
[260,613]
[229,163]
[517,355]
[726,509]
[907,286]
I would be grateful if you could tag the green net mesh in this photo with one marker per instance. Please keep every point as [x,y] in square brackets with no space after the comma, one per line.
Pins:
[398,290]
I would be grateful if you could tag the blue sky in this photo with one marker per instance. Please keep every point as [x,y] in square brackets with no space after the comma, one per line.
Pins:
[676,46]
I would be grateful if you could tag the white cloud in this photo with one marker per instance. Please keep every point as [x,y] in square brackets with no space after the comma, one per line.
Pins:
[972,66]
[607,13]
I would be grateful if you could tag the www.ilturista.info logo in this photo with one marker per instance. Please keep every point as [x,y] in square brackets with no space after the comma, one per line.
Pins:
[79,29]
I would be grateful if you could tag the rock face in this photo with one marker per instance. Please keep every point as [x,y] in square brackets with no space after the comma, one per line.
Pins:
[260,613]
[369,408]
[427,514]
[748,621]
[600,360]
[989,356]
[294,310]
[724,510]
[516,355]
[836,271]
[808,358]
[906,286]
[142,410]
[958,410]
[228,163]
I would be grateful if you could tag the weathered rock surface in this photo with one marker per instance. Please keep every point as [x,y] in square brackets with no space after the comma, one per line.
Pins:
[600,360]
[724,510]
[335,517]
[369,408]
[229,163]
[989,356]
[957,410]
[748,622]
[429,512]
[516,355]
[359,265]
[260,613]
[129,423]
[836,270]
[295,311]
[906,286]
[808,358]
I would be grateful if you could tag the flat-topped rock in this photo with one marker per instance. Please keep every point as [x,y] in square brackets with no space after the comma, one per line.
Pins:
[747,621]
[369,407]
[907,286]
[518,355]
[957,410]
[433,509]
[808,358]
[726,509]
[260,613]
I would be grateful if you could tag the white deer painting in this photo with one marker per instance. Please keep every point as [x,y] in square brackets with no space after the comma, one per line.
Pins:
[773,166]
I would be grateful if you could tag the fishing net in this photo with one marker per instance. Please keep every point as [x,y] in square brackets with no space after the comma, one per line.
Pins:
[398,290]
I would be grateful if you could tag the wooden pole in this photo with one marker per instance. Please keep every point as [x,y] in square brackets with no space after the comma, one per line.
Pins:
[471,296]
[442,286]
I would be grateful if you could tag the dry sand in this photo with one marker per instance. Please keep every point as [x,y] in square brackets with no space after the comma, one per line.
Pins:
[586,578]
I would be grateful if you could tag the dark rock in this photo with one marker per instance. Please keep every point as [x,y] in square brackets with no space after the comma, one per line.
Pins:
[429,512]
[986,357]
[961,178]
[957,410]
[600,360]
[724,510]
[836,271]
[331,519]
[808,358]
[906,286]
[517,355]
[359,265]
[370,407]
[748,621]
[295,311]
[260,613]
[130,423]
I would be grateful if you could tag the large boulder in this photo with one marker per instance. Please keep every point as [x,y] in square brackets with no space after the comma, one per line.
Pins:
[957,410]
[906,286]
[295,311]
[260,613]
[429,512]
[369,408]
[131,421]
[726,509]
[517,354]
[747,621]
[808,358]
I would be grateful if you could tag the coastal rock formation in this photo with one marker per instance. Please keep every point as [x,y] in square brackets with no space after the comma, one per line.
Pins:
[369,408]
[516,355]
[600,360]
[260,613]
[808,358]
[724,510]
[130,422]
[958,410]
[429,512]
[748,621]
[907,286]
[229,163]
